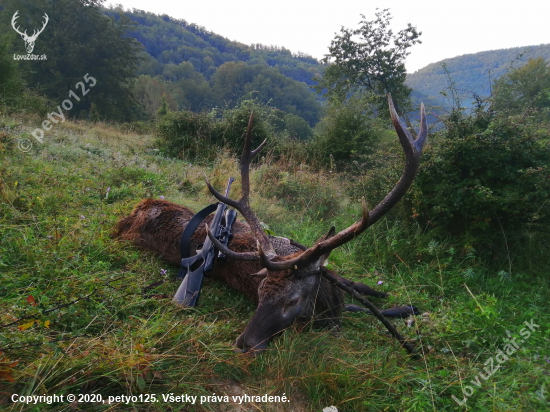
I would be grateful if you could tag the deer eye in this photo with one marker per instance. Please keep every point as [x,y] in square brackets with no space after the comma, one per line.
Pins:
[291,304]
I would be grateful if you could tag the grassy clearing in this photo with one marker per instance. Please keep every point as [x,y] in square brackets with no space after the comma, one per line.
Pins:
[74,320]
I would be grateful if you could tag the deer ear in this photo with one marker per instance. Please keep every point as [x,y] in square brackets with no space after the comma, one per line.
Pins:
[261,274]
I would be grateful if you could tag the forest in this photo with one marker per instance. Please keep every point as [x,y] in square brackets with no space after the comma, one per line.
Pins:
[472,74]
[130,105]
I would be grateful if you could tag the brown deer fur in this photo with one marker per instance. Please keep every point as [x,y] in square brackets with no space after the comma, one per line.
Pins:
[157,225]
[293,288]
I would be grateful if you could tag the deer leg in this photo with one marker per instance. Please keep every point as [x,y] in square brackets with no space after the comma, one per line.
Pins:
[401,312]
[360,287]
[393,331]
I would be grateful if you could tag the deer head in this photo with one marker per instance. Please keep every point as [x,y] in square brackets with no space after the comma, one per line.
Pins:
[29,40]
[291,283]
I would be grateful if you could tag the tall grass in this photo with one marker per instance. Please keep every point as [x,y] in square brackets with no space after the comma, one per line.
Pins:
[75,321]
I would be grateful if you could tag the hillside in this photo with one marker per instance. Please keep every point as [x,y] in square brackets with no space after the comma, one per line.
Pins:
[471,73]
[197,70]
[168,40]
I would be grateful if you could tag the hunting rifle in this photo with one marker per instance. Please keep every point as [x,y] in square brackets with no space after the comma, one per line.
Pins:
[194,268]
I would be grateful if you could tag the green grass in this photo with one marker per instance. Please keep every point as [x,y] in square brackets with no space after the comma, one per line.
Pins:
[88,330]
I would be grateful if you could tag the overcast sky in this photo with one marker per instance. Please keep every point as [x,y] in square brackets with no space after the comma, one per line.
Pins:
[449,28]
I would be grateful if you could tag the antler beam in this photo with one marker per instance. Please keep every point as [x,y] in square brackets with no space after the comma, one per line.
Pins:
[243,205]
[413,151]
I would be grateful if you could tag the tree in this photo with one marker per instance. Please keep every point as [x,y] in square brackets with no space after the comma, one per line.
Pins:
[485,179]
[152,93]
[527,87]
[78,40]
[370,58]
[11,83]
[345,132]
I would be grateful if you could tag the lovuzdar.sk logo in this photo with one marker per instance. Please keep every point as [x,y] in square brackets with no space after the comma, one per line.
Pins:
[29,40]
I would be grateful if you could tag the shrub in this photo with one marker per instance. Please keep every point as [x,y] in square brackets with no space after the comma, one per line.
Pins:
[201,136]
[485,175]
[346,132]
[186,135]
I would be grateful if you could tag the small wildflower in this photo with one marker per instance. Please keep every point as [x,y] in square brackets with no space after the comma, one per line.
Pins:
[380,282]
[107,194]
[162,198]
[82,217]
[163,271]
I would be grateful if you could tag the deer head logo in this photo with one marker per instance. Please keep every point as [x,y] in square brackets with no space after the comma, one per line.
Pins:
[29,40]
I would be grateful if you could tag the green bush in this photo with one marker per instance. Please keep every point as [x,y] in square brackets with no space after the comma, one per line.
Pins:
[230,130]
[187,135]
[195,136]
[346,132]
[485,178]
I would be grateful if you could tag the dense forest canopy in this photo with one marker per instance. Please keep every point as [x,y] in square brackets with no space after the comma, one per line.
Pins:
[157,57]
[78,40]
[196,69]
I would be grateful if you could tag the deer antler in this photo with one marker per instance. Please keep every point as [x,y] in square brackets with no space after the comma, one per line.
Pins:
[413,151]
[243,205]
[15,17]
[266,252]
[36,33]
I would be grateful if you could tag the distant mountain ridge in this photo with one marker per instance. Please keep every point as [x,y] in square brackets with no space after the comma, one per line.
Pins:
[169,41]
[471,73]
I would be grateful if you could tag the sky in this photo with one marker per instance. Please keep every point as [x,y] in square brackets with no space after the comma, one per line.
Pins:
[449,28]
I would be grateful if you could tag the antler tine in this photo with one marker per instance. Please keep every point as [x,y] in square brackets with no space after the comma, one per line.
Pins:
[246,158]
[413,151]
[220,197]
[243,205]
[249,256]
[423,134]
[13,19]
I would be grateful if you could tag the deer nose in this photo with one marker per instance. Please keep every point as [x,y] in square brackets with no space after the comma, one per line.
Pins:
[244,345]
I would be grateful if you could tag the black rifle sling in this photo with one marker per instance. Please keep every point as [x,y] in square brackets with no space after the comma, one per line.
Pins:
[185,242]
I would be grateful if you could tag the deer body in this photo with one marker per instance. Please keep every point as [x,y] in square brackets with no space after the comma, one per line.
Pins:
[288,283]
[157,225]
